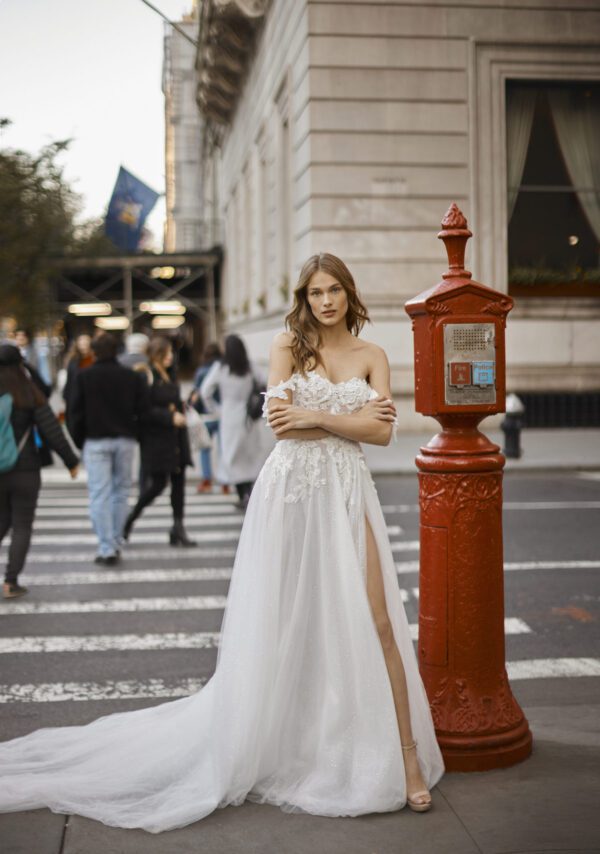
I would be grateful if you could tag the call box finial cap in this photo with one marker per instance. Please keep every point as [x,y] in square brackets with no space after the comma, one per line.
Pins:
[455,234]
[454,218]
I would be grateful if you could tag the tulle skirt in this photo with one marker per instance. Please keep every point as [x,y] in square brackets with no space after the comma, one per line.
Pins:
[299,712]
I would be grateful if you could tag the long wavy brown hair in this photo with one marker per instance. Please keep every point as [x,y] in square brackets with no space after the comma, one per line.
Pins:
[302,323]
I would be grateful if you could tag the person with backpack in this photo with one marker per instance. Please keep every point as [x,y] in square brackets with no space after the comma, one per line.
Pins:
[23,407]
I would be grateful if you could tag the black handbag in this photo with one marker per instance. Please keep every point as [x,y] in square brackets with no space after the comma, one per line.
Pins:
[254,404]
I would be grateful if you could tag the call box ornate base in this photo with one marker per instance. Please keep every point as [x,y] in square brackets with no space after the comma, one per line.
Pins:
[461,652]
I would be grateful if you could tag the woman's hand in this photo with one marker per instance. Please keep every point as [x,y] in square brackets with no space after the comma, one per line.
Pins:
[284,416]
[179,419]
[381,408]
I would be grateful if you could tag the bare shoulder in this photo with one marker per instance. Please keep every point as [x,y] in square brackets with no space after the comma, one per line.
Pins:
[283,341]
[281,362]
[376,355]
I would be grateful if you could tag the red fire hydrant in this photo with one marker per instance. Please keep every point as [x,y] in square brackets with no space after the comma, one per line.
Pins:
[460,379]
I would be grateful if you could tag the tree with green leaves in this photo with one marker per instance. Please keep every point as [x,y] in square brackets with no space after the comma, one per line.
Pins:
[38,228]
[37,210]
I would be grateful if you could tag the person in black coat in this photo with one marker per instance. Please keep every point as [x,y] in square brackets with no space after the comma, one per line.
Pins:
[164,443]
[106,411]
[20,486]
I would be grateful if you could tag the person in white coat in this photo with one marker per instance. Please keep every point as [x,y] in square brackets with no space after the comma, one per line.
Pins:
[241,442]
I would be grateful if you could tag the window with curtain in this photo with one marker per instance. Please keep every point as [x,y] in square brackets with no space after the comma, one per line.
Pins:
[553,192]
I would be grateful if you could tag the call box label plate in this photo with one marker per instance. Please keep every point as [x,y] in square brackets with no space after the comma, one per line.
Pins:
[483,373]
[460,373]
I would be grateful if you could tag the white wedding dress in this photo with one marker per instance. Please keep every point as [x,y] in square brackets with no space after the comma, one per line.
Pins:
[299,712]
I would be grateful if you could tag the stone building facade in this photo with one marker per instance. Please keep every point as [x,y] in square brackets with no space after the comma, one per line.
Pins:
[349,126]
[184,226]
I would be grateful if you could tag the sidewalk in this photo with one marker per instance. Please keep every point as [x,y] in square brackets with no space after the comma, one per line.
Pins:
[543,450]
[546,804]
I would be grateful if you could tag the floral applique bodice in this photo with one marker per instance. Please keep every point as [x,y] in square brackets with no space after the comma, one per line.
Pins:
[307,464]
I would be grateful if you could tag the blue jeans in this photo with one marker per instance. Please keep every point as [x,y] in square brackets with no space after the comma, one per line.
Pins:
[205,466]
[108,463]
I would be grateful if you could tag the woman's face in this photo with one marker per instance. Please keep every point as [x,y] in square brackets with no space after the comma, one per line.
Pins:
[83,344]
[168,358]
[327,298]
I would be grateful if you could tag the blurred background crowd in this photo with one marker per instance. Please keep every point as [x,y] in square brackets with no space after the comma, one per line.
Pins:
[123,408]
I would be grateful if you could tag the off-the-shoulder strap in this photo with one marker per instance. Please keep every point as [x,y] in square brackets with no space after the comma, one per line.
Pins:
[278,390]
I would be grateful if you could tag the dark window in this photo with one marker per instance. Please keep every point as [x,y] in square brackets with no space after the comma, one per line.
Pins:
[554,205]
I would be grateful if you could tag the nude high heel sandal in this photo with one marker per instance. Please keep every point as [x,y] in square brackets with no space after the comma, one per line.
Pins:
[415,805]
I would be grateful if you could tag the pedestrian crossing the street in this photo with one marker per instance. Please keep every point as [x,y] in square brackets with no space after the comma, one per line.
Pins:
[162,607]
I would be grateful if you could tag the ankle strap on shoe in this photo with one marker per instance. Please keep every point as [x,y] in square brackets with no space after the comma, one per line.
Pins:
[409,746]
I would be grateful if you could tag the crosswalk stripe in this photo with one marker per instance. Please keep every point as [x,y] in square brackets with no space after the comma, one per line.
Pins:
[552,564]
[125,576]
[29,644]
[69,498]
[159,537]
[108,643]
[153,522]
[404,567]
[131,555]
[551,505]
[509,505]
[163,512]
[127,689]
[48,496]
[405,546]
[128,576]
[545,668]
[100,606]
[512,625]
[132,689]
[515,626]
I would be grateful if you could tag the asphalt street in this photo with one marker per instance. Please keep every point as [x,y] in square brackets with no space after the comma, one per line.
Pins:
[87,642]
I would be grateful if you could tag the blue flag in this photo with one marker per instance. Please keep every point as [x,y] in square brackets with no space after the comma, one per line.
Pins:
[130,204]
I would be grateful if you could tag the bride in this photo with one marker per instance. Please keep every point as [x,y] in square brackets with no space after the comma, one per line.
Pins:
[316,704]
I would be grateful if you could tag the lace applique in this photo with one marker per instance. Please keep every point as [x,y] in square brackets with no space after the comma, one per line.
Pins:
[316,392]
[305,465]
[277,391]
[302,465]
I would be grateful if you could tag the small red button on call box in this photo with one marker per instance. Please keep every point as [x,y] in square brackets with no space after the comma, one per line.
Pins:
[460,373]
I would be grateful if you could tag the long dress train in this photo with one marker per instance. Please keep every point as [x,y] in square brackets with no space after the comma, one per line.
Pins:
[299,711]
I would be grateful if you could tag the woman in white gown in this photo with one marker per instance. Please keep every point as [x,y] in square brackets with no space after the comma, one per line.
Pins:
[316,703]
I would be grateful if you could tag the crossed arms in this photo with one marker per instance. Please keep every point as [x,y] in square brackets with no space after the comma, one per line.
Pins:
[373,423]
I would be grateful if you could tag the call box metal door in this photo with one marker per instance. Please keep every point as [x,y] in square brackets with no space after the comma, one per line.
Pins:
[469,363]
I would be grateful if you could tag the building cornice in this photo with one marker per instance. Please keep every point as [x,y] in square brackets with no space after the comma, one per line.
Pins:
[226,36]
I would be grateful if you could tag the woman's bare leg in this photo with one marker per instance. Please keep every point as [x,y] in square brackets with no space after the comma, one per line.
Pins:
[395,668]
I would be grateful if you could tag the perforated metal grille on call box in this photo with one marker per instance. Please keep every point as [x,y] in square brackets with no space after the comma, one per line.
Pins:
[469,363]
[468,337]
